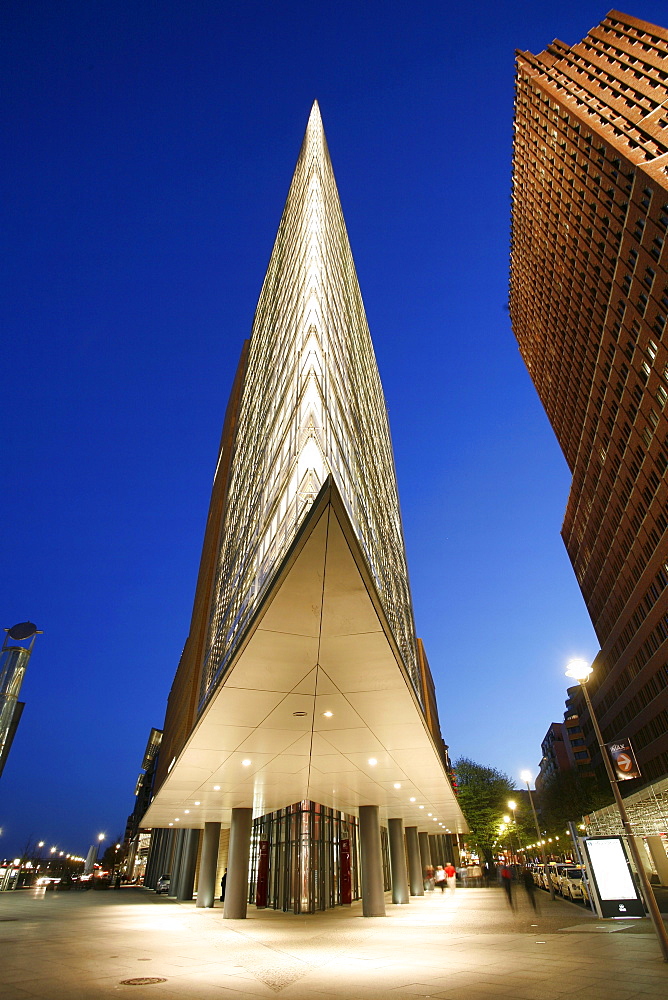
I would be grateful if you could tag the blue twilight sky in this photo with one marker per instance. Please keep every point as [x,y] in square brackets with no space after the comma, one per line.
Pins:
[148,149]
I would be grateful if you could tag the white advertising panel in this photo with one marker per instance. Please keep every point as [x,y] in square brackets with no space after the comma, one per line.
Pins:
[611,880]
[611,870]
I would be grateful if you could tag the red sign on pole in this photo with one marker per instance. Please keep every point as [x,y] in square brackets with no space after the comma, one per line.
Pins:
[344,869]
[623,760]
[262,875]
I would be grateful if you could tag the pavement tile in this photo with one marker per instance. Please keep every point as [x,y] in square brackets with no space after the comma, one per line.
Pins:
[471,949]
[12,992]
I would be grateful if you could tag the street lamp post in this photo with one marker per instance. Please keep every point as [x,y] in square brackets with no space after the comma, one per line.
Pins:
[526,777]
[513,806]
[100,838]
[580,671]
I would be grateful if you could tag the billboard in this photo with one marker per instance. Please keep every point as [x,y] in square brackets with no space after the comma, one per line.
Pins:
[611,879]
[623,759]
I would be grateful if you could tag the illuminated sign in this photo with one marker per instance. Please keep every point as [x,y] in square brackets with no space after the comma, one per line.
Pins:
[610,878]
[623,759]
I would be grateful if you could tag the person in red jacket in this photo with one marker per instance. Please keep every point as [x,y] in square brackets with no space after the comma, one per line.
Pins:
[507,883]
[451,876]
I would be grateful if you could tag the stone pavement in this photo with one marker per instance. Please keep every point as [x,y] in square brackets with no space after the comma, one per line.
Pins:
[83,945]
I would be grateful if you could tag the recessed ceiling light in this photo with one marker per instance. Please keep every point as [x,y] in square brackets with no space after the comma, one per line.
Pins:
[420,807]
[171,824]
[246,762]
[412,799]
[216,788]
[186,811]
[428,814]
[397,784]
[372,761]
[328,715]
[176,819]
[197,803]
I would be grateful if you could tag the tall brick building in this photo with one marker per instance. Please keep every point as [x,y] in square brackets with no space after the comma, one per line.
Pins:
[588,303]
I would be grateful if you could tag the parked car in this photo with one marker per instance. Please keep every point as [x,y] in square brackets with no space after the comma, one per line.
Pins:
[574,884]
[557,872]
[163,884]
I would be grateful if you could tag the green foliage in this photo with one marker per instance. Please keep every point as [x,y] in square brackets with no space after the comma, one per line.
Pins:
[570,796]
[483,794]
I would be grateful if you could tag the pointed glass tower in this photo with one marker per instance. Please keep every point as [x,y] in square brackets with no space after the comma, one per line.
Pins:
[311,406]
[301,724]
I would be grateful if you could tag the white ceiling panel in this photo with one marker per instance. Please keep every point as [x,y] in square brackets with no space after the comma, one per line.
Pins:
[402,737]
[215,737]
[268,741]
[241,707]
[275,661]
[350,741]
[361,662]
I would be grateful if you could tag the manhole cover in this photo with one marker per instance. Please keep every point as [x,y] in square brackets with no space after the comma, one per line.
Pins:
[142,981]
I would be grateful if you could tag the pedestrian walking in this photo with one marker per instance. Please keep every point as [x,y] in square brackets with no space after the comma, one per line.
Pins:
[223,882]
[507,883]
[439,878]
[451,877]
[429,878]
[530,887]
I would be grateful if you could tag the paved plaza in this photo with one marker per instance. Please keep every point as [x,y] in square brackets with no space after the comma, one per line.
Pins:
[470,946]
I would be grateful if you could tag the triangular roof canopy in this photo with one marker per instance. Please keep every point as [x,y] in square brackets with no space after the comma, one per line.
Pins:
[315,695]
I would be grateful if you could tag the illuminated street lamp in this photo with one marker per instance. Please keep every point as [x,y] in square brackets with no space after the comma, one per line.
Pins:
[580,671]
[526,777]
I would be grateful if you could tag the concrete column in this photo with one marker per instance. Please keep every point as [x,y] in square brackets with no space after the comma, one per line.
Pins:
[130,859]
[425,849]
[373,894]
[456,856]
[659,857]
[395,829]
[236,887]
[186,882]
[165,858]
[176,864]
[433,849]
[208,866]
[157,849]
[414,861]
[152,860]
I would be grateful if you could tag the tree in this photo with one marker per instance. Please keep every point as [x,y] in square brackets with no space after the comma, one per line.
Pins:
[483,794]
[568,796]
[114,856]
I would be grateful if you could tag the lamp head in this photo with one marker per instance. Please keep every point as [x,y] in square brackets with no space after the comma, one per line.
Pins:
[578,669]
[526,776]
[512,805]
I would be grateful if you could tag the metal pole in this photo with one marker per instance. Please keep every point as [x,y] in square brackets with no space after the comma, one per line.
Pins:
[650,901]
[578,852]
[542,845]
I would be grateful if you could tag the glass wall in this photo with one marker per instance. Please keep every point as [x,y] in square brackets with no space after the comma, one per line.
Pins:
[304,849]
[312,406]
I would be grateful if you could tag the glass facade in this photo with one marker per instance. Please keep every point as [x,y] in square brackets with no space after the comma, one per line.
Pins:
[304,857]
[312,405]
